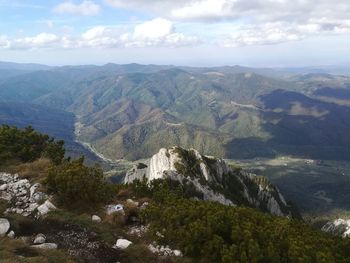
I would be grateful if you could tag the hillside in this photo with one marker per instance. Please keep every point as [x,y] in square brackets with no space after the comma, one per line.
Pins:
[130,111]
[67,212]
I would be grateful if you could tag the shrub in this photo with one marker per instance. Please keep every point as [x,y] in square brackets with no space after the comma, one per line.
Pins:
[77,186]
[28,145]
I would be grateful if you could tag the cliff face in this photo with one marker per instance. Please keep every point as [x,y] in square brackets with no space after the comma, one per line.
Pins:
[338,227]
[213,178]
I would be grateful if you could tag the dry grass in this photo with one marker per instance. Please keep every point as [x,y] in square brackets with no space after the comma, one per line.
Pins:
[36,170]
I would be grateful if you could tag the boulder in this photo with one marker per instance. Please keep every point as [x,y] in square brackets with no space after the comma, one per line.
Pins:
[4,226]
[39,239]
[96,219]
[45,208]
[122,244]
[45,246]
[110,209]
[11,234]
[3,187]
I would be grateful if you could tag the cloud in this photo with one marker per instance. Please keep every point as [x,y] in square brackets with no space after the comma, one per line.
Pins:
[278,32]
[254,22]
[86,8]
[158,32]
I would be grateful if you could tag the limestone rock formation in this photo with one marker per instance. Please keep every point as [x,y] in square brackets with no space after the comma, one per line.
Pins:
[213,178]
[339,227]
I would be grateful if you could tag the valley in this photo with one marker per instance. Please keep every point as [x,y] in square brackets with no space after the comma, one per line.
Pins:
[119,114]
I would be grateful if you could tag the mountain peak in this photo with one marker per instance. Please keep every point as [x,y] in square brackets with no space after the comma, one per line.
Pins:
[213,178]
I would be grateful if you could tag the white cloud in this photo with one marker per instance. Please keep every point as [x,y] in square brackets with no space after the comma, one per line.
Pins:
[158,32]
[278,32]
[254,22]
[156,28]
[86,8]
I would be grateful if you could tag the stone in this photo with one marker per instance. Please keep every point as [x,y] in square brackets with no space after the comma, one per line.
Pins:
[110,209]
[46,246]
[3,187]
[122,243]
[4,226]
[46,208]
[39,239]
[11,234]
[33,188]
[96,219]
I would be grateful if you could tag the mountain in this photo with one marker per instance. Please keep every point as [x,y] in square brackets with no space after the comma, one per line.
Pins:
[129,111]
[212,179]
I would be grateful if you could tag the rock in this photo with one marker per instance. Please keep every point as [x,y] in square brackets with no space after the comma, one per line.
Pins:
[96,219]
[39,239]
[46,207]
[144,205]
[338,227]
[164,251]
[110,209]
[3,187]
[33,188]
[4,226]
[208,174]
[122,244]
[45,246]
[39,197]
[11,234]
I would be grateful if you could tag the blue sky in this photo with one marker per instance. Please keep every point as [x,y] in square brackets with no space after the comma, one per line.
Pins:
[184,32]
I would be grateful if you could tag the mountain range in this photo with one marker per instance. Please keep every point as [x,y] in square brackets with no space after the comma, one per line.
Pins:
[130,111]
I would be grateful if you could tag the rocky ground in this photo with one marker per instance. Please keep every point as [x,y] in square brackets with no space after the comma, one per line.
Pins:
[89,238]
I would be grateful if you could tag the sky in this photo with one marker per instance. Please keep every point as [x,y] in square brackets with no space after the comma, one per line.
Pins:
[260,33]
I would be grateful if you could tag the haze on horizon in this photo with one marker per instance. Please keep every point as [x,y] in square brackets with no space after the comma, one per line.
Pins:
[259,33]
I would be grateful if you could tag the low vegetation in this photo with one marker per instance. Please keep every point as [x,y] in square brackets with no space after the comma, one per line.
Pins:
[28,145]
[77,186]
[211,232]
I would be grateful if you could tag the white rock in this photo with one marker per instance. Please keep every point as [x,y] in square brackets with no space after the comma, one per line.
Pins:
[177,253]
[110,209]
[46,207]
[4,226]
[11,234]
[33,188]
[96,219]
[122,244]
[3,187]
[45,246]
[39,239]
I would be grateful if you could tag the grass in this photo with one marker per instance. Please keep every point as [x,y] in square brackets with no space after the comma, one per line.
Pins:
[16,251]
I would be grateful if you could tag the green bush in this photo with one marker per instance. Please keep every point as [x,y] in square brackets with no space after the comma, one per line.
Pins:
[77,186]
[28,145]
[211,232]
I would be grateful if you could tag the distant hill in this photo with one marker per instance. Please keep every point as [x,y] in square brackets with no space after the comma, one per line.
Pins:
[130,111]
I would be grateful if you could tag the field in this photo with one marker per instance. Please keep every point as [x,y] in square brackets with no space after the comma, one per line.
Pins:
[318,188]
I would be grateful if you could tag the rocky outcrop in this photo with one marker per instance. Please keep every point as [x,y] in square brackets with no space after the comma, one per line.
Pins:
[213,179]
[339,227]
[23,197]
